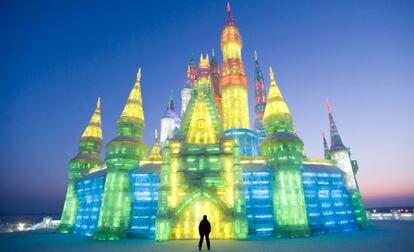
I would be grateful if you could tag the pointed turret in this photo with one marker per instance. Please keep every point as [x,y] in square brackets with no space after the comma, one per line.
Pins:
[277,117]
[88,158]
[260,93]
[342,156]
[336,141]
[201,128]
[155,154]
[123,154]
[340,153]
[94,128]
[133,108]
[283,151]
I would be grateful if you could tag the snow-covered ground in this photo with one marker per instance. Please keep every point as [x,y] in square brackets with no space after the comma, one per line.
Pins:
[381,236]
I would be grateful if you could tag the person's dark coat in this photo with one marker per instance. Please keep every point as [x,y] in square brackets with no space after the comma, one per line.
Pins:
[204,227]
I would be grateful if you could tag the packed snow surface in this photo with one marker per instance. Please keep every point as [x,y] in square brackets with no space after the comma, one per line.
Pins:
[381,236]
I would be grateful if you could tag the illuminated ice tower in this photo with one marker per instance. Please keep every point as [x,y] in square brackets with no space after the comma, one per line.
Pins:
[234,103]
[201,174]
[88,158]
[233,84]
[339,153]
[123,154]
[283,151]
[170,122]
[260,93]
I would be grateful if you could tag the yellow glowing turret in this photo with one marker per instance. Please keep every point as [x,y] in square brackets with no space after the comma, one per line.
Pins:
[275,102]
[133,108]
[277,117]
[234,102]
[156,150]
[94,128]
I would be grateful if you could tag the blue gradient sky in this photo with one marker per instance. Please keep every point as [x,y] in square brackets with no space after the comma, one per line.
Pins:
[57,57]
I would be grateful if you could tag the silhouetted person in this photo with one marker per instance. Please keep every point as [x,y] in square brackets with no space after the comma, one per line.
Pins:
[204,229]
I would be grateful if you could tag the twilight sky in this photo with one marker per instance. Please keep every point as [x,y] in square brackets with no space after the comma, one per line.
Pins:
[57,57]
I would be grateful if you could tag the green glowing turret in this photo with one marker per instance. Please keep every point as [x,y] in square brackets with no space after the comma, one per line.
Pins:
[88,158]
[283,151]
[122,155]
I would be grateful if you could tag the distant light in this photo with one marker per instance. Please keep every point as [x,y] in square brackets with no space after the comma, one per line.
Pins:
[20,226]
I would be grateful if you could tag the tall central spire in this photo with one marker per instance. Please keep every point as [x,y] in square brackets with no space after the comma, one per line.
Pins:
[234,103]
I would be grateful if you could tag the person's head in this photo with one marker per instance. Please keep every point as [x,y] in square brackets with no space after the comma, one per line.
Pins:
[205,217]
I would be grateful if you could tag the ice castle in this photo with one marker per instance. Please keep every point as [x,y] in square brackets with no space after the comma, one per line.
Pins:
[208,161]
